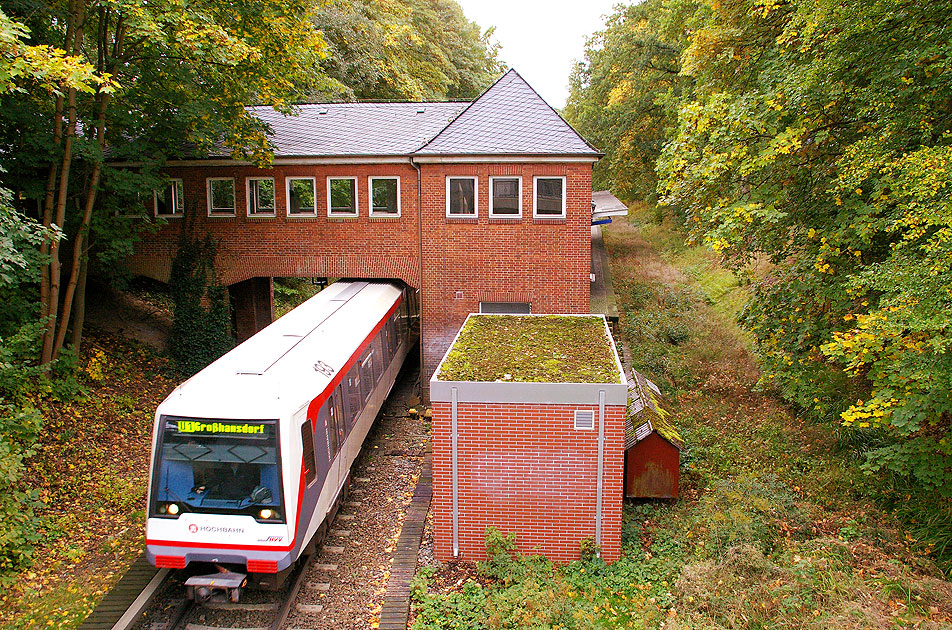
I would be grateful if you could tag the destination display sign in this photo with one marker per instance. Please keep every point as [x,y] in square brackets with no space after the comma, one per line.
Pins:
[220,428]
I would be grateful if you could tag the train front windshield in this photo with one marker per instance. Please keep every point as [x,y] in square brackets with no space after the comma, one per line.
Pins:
[217,467]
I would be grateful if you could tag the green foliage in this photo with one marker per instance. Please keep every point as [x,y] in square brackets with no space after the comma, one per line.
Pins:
[199,334]
[745,511]
[292,292]
[624,95]
[815,137]
[23,65]
[405,50]
[461,610]
[843,185]
[20,422]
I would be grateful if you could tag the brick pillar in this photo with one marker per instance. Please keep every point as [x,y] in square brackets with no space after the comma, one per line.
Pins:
[253,301]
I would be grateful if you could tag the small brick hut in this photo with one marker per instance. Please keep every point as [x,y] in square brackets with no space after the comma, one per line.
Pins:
[652,444]
[528,436]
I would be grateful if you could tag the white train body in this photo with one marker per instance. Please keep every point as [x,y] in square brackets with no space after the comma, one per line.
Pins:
[251,453]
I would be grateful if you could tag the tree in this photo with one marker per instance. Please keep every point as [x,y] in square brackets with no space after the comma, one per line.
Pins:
[624,96]
[820,138]
[405,50]
[165,72]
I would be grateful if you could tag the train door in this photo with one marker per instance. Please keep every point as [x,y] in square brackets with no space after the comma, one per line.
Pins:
[338,425]
[352,393]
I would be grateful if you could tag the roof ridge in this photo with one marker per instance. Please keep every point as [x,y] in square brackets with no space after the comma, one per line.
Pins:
[363,103]
[556,112]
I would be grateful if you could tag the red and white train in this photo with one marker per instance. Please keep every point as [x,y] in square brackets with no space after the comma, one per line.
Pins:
[252,454]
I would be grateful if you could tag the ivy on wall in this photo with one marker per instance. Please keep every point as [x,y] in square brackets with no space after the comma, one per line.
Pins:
[201,312]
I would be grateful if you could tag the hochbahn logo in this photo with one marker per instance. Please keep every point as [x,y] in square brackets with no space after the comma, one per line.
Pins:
[213,529]
[193,426]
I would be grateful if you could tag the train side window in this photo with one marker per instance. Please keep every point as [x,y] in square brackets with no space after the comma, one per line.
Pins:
[388,341]
[338,410]
[307,439]
[404,318]
[330,425]
[377,344]
[367,375]
[353,392]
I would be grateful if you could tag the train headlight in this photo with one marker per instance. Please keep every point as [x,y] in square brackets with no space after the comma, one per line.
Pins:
[267,514]
[169,509]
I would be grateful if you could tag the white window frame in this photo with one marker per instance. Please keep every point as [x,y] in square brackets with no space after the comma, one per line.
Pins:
[475,214]
[492,213]
[585,412]
[356,211]
[370,197]
[274,207]
[208,195]
[178,205]
[535,197]
[287,196]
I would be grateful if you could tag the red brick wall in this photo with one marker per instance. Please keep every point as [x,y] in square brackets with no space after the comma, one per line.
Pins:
[284,246]
[543,262]
[524,468]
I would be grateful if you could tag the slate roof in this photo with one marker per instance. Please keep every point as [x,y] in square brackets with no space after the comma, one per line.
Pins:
[357,128]
[646,414]
[510,118]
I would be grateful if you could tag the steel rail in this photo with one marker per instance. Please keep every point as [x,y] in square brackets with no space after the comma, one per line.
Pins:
[285,609]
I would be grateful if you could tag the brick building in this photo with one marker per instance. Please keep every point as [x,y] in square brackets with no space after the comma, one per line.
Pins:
[540,458]
[475,204]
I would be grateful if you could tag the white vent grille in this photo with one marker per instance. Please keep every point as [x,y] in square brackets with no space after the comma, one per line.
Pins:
[584,419]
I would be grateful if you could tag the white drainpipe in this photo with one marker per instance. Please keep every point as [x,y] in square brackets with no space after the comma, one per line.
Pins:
[601,468]
[455,402]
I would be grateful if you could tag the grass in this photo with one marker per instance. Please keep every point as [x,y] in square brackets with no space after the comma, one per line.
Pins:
[776,526]
[90,471]
[522,348]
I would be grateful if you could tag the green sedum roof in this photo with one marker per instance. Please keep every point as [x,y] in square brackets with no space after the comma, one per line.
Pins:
[532,348]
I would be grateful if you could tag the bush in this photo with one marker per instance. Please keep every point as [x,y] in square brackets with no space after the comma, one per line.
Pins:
[20,426]
[748,512]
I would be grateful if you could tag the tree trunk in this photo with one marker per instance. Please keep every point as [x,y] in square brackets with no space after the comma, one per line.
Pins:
[79,310]
[79,255]
[78,241]
[47,217]
[49,310]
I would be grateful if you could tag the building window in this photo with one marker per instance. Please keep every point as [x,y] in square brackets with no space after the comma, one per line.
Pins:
[549,196]
[170,202]
[302,196]
[342,196]
[221,196]
[261,196]
[505,197]
[461,196]
[505,308]
[385,196]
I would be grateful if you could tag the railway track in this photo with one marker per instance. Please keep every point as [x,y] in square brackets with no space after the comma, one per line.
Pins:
[234,616]
[342,583]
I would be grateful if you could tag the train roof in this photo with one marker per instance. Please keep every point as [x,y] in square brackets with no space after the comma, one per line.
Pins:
[291,361]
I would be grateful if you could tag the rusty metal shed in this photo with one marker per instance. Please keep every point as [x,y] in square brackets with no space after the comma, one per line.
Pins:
[652,444]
